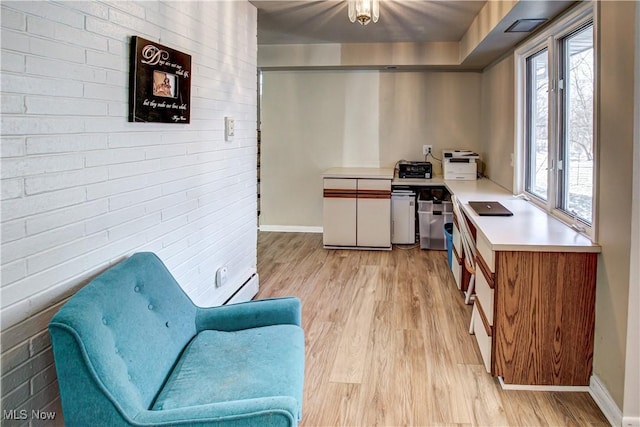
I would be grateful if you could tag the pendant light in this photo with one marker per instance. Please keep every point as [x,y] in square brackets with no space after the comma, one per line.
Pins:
[364,11]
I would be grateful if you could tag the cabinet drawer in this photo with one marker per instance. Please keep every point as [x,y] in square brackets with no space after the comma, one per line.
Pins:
[484,249]
[484,294]
[340,184]
[457,243]
[374,184]
[482,337]
[456,269]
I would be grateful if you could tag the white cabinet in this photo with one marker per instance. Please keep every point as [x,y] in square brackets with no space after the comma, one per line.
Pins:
[357,213]
[373,227]
[460,274]
[456,260]
[339,212]
[483,336]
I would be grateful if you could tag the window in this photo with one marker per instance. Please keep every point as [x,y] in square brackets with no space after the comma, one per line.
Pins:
[555,75]
[537,123]
[575,162]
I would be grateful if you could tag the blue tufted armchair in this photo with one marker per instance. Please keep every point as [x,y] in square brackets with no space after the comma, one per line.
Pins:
[131,348]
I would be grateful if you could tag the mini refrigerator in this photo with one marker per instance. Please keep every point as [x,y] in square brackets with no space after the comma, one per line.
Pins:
[403,217]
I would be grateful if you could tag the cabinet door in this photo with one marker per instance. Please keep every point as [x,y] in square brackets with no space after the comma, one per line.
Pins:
[544,317]
[457,242]
[339,212]
[374,213]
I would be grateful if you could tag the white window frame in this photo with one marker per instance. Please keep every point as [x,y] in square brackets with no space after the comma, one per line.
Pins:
[549,38]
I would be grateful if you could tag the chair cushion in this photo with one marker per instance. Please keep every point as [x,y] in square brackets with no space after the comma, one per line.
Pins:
[220,366]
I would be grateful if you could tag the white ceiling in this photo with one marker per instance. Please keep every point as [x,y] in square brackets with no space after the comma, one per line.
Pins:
[418,21]
[292,22]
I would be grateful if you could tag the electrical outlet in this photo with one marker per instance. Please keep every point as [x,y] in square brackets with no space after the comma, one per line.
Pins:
[427,149]
[229,129]
[221,276]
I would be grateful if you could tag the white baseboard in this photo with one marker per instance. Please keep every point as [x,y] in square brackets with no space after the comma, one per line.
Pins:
[605,402]
[631,422]
[291,228]
[598,392]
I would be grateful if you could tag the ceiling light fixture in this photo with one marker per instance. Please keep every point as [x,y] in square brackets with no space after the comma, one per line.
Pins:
[364,11]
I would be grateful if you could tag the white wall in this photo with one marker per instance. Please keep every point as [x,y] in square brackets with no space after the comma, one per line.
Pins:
[83,188]
[312,121]
[631,404]
[498,126]
[616,21]
[316,120]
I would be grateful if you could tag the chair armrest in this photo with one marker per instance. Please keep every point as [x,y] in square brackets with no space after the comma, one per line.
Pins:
[267,411]
[251,314]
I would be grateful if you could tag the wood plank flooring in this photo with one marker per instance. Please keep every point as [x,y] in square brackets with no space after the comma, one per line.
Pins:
[387,342]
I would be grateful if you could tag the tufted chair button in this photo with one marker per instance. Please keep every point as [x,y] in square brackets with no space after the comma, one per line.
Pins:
[166,324]
[136,289]
[104,321]
[150,306]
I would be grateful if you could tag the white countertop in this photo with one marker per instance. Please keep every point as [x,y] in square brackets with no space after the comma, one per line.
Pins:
[370,173]
[529,229]
[436,180]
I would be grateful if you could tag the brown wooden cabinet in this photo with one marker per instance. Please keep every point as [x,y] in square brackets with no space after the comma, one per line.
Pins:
[534,315]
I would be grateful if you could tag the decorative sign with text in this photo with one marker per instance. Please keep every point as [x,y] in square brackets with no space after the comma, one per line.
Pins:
[159,84]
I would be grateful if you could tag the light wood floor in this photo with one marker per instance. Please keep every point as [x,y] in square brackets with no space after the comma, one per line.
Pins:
[387,342]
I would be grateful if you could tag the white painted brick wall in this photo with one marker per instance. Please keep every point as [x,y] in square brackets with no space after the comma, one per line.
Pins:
[82,188]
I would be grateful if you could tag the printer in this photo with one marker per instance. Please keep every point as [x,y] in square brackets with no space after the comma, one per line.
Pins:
[459,164]
[414,169]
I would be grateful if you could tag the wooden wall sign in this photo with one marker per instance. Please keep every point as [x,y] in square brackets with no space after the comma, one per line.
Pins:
[159,83]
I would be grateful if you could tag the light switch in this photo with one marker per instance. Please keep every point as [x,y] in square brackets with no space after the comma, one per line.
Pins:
[229,128]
